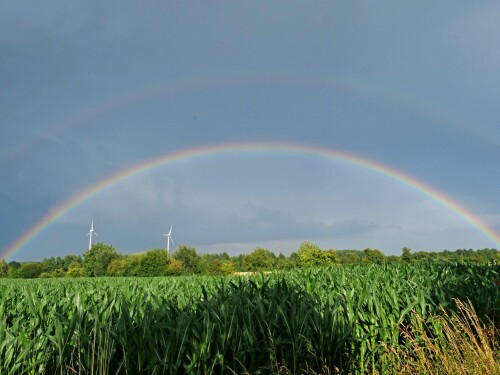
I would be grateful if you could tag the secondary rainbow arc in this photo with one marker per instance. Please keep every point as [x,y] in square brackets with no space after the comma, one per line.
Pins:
[228,148]
[193,83]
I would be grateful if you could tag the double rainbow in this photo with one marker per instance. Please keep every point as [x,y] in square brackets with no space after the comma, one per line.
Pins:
[284,148]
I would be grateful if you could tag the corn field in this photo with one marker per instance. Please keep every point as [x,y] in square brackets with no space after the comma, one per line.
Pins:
[294,322]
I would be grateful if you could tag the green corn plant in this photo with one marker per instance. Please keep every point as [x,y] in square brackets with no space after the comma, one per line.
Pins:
[338,318]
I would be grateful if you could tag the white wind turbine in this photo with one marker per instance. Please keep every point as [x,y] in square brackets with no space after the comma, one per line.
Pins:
[91,233]
[169,239]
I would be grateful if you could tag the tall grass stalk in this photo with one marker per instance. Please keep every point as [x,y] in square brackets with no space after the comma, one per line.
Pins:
[466,346]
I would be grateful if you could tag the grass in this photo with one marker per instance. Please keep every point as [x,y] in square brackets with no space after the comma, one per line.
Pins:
[465,345]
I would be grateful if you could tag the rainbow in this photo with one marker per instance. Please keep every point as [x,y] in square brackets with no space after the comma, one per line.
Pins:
[193,153]
[237,79]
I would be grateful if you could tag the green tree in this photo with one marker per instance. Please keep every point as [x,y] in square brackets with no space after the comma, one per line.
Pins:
[331,257]
[238,261]
[227,267]
[49,264]
[393,259]
[154,263]
[406,255]
[350,256]
[293,260]
[132,265]
[374,256]
[29,270]
[189,258]
[282,262]
[174,267]
[115,267]
[4,268]
[75,269]
[97,259]
[59,272]
[71,258]
[13,268]
[14,265]
[311,255]
[58,263]
[258,260]
[216,264]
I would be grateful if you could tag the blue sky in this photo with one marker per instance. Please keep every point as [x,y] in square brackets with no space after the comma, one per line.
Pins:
[90,88]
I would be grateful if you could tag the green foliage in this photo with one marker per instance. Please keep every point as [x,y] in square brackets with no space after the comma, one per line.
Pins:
[52,264]
[131,265]
[331,257]
[258,260]
[4,268]
[75,269]
[189,258]
[293,261]
[406,255]
[284,263]
[56,273]
[49,264]
[115,267]
[350,256]
[227,267]
[374,256]
[392,259]
[71,259]
[97,259]
[174,267]
[29,270]
[14,265]
[154,263]
[311,255]
[102,260]
[216,264]
[304,320]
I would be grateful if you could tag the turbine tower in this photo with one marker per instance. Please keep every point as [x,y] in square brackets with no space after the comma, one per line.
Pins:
[169,239]
[91,233]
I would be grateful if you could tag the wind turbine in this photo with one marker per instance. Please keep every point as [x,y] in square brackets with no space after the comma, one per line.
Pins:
[91,233]
[169,239]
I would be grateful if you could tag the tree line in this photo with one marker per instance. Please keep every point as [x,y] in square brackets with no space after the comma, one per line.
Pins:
[103,260]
